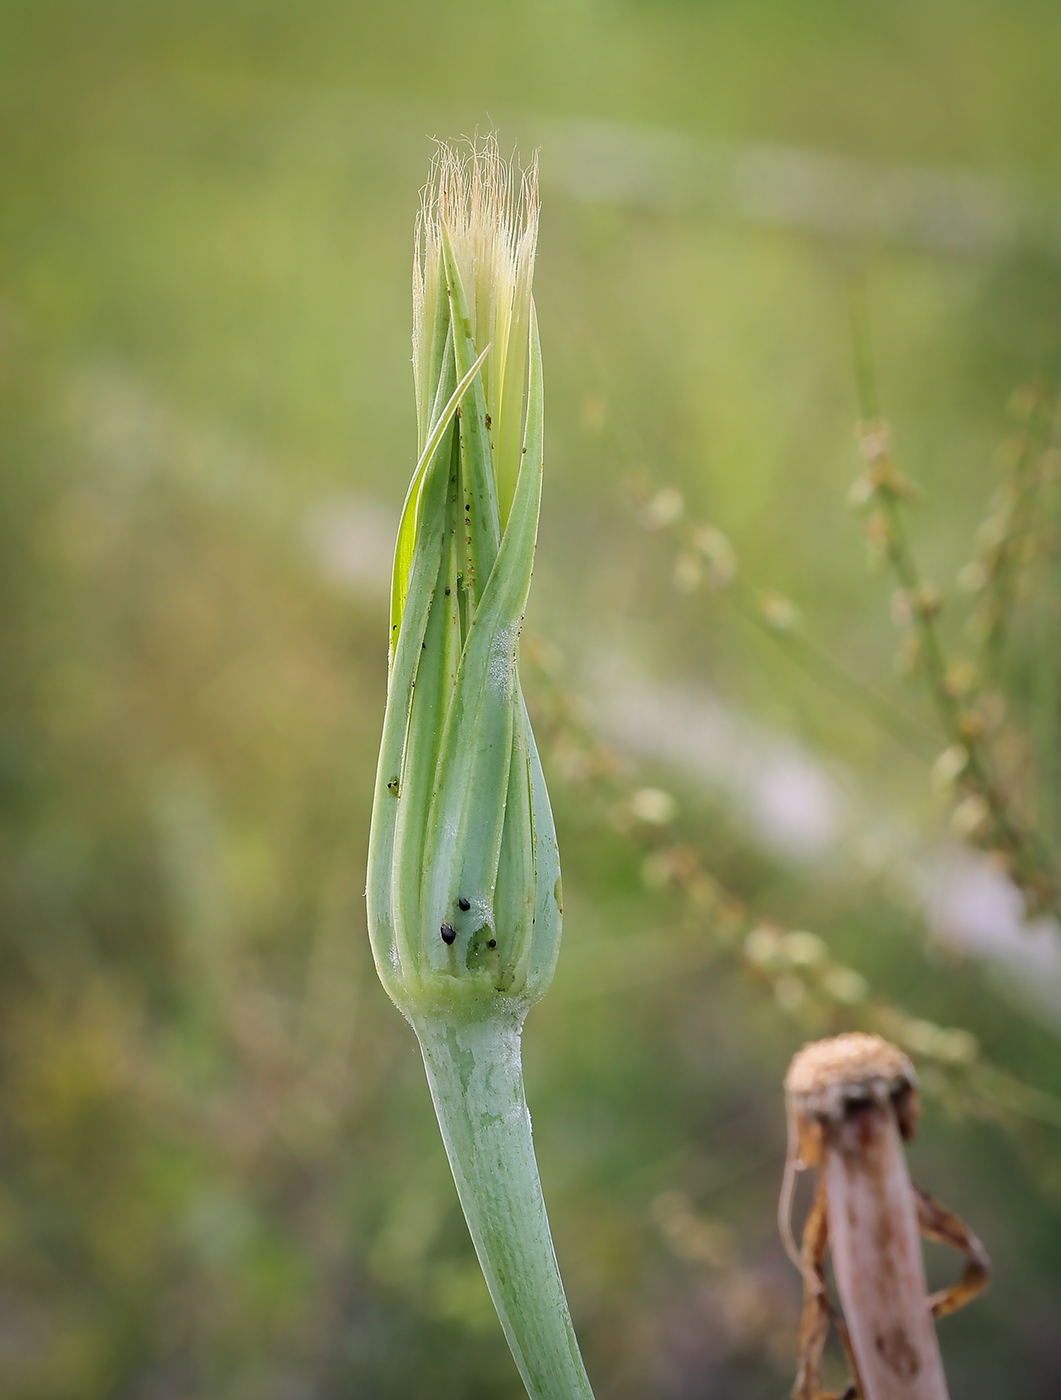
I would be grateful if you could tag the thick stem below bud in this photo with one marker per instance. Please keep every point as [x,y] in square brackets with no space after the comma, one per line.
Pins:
[475,1073]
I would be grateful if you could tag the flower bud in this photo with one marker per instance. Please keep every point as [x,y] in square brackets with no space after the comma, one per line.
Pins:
[464,878]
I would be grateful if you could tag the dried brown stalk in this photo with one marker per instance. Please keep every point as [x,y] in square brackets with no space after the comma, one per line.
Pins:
[851,1101]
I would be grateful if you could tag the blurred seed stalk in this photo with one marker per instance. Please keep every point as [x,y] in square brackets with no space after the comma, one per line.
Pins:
[1001,772]
[999,767]
[712,921]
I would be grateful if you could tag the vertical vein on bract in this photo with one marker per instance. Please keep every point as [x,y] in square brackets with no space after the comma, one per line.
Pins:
[388,808]
[428,703]
[540,950]
[482,533]
[466,821]
[514,388]
[515,884]
[415,579]
[548,907]
[429,290]
[410,516]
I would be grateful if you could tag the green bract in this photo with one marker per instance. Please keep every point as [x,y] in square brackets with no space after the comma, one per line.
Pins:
[462,835]
[464,875]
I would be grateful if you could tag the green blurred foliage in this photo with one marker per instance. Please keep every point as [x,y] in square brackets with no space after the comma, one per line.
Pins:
[221,1175]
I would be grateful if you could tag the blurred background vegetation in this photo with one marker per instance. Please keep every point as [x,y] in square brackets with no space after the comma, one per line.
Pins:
[221,1174]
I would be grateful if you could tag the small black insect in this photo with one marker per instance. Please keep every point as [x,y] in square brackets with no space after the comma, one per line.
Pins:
[464,904]
[447,592]
[467,507]
[448,933]
[489,422]
[492,943]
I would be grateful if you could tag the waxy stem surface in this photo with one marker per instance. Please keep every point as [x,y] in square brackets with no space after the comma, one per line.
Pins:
[475,1074]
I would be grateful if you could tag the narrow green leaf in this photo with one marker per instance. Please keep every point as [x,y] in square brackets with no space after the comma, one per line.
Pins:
[403,553]
[428,705]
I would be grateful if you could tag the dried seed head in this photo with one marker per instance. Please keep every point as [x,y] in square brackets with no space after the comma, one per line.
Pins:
[827,1075]
[826,1080]
[850,1101]
[830,1077]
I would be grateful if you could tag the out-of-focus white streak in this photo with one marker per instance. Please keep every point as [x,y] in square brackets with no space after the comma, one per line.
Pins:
[794,808]
[352,541]
[789,802]
[953,210]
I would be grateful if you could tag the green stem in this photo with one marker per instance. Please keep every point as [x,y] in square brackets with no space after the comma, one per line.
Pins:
[475,1072]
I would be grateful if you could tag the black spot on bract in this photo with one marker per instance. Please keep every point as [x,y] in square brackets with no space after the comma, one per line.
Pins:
[448,933]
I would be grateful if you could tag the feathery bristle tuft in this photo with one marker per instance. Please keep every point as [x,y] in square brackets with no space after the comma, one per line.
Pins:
[488,209]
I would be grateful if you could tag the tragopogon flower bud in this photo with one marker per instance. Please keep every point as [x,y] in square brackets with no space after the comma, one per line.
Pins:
[464,876]
[464,880]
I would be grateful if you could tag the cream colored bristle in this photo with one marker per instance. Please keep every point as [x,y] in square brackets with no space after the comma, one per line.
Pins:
[486,209]
[489,210]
